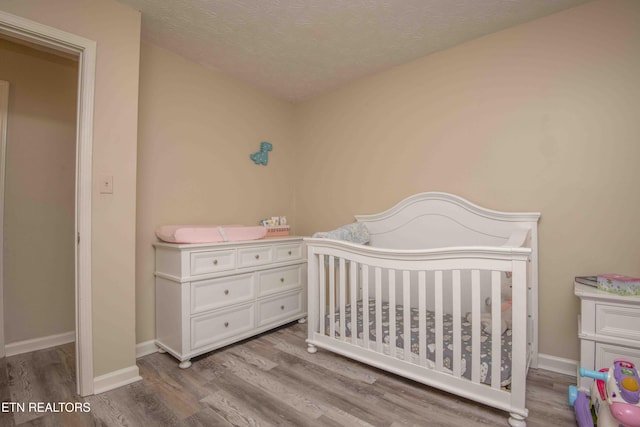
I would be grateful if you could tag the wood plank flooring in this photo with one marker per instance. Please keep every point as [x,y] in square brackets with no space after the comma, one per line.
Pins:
[270,380]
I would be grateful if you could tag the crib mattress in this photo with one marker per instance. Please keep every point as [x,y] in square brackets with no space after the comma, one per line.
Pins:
[209,233]
[485,339]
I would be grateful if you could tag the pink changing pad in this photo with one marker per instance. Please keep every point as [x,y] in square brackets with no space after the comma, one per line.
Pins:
[209,233]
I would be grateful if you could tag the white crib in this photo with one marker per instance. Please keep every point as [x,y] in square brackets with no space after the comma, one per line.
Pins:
[432,258]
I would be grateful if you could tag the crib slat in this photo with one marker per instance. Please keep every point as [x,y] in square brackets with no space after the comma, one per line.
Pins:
[343,298]
[312,288]
[457,324]
[406,294]
[332,296]
[475,333]
[439,319]
[422,318]
[519,340]
[322,289]
[353,283]
[496,329]
[378,276]
[365,305]
[392,313]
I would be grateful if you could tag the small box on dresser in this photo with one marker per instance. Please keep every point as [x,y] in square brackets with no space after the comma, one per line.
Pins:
[608,328]
[212,295]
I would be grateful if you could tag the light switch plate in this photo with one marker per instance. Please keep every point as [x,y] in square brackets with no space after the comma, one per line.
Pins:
[106,184]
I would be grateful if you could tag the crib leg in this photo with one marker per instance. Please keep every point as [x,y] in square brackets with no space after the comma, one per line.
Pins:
[311,348]
[185,364]
[516,420]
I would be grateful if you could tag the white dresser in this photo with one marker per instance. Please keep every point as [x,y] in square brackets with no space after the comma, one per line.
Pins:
[212,295]
[608,328]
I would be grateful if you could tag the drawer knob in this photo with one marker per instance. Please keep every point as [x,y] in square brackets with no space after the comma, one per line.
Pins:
[282,279]
[282,307]
[215,262]
[258,256]
[226,324]
[289,252]
[226,291]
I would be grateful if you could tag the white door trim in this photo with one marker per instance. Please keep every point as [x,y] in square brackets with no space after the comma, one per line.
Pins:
[4,112]
[85,49]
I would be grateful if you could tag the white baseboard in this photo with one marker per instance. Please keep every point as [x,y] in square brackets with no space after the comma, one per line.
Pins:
[558,364]
[146,348]
[39,343]
[116,379]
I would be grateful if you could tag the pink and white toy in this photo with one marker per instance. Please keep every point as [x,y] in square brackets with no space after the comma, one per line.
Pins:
[615,397]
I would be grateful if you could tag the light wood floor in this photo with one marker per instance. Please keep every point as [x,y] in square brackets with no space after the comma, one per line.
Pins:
[270,380]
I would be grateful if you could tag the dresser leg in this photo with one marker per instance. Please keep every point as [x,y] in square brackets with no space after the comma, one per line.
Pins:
[161,350]
[302,320]
[185,364]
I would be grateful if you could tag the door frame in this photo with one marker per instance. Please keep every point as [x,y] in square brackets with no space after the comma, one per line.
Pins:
[85,50]
[4,113]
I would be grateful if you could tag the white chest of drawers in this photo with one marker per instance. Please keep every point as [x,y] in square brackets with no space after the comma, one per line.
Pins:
[608,328]
[211,295]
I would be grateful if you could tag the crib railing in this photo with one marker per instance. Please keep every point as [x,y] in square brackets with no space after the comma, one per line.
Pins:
[448,283]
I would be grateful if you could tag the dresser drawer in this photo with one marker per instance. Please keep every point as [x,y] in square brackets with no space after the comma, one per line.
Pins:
[618,321]
[280,279]
[212,261]
[288,252]
[257,255]
[216,293]
[279,308]
[607,353]
[214,327]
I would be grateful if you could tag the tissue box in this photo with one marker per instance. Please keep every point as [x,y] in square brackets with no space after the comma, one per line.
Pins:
[619,284]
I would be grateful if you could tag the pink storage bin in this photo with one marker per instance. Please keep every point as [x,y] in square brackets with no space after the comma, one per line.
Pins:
[278,230]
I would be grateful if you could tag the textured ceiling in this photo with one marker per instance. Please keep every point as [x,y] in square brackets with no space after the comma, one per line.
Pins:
[296,49]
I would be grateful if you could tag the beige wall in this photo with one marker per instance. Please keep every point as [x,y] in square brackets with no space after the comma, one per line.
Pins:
[116,29]
[39,193]
[196,131]
[541,117]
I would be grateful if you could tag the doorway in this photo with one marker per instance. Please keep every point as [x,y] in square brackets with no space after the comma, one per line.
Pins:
[39,197]
[85,51]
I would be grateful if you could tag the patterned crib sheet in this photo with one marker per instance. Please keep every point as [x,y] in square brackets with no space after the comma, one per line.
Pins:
[485,339]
